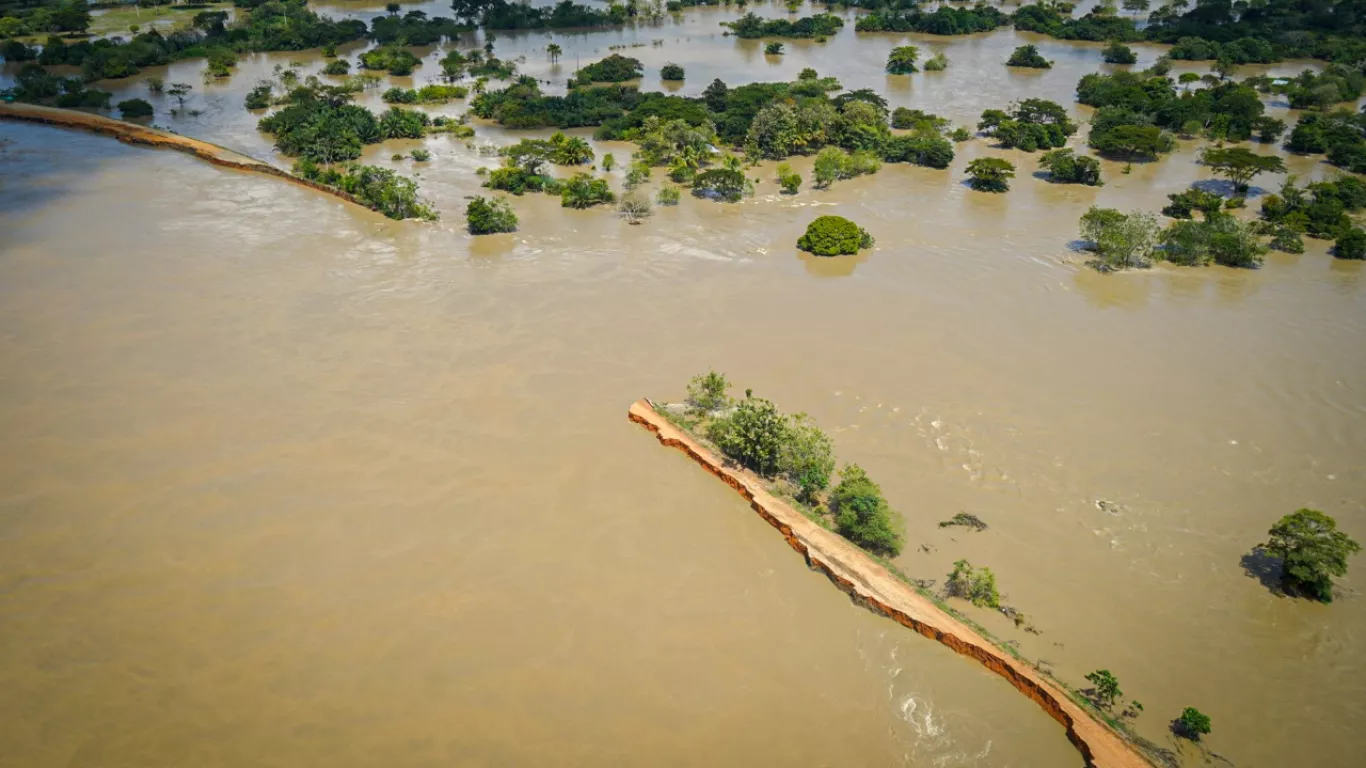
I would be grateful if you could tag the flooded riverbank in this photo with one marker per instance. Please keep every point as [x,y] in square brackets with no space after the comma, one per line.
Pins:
[290,482]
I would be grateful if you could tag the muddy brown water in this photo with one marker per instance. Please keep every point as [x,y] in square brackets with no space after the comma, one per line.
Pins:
[288,483]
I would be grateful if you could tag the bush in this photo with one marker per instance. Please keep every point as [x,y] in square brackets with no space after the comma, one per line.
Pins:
[709,392]
[489,216]
[1106,687]
[862,514]
[1028,56]
[420,155]
[938,63]
[977,586]
[1351,245]
[613,69]
[134,108]
[259,97]
[774,48]
[337,67]
[672,72]
[720,184]
[990,174]
[1118,53]
[379,189]
[1192,724]
[1067,168]
[833,163]
[834,236]
[788,179]
[400,96]
[1120,240]
[901,61]
[753,435]
[807,458]
[668,195]
[634,208]
[584,191]
[1312,551]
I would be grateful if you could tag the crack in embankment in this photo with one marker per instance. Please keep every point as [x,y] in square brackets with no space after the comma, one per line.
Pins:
[872,586]
[132,133]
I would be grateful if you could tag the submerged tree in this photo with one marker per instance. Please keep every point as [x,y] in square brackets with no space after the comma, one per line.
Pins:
[1106,687]
[902,59]
[990,174]
[1240,165]
[973,584]
[1192,724]
[834,236]
[1313,551]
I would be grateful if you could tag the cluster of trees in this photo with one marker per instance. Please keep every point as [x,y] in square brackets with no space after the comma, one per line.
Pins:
[35,85]
[524,164]
[414,28]
[976,585]
[1263,31]
[1065,167]
[319,123]
[1321,90]
[489,216]
[752,26]
[391,58]
[1055,20]
[901,60]
[501,15]
[613,69]
[834,236]
[434,93]
[791,450]
[1135,239]
[379,189]
[1028,56]
[990,174]
[1340,134]
[944,20]
[671,72]
[1319,210]
[32,18]
[1118,53]
[1028,125]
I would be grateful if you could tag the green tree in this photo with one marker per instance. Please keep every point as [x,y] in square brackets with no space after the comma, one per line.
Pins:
[831,164]
[709,392]
[753,435]
[788,179]
[1028,56]
[671,72]
[584,191]
[1106,687]
[1351,244]
[554,51]
[807,458]
[937,63]
[179,92]
[862,514]
[668,195]
[1240,165]
[1186,78]
[1065,167]
[972,584]
[1118,53]
[901,61]
[1120,240]
[132,108]
[834,236]
[990,174]
[1192,724]
[774,48]
[723,184]
[489,216]
[1312,551]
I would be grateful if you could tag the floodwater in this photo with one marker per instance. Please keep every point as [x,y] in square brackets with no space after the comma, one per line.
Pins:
[289,483]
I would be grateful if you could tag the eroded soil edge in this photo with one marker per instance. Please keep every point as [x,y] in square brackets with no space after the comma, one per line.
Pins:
[871,585]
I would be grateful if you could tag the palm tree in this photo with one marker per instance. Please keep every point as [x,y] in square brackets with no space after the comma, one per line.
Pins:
[553,51]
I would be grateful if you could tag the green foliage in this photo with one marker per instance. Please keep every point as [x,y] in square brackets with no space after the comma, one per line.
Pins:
[337,67]
[901,61]
[752,435]
[924,147]
[489,216]
[1119,132]
[1220,238]
[1194,199]
[413,28]
[613,69]
[990,174]
[937,63]
[400,96]
[1350,245]
[560,149]
[752,26]
[773,48]
[709,392]
[135,108]
[1095,26]
[833,164]
[1106,687]
[1319,209]
[1029,125]
[1240,165]
[1028,56]
[393,59]
[1268,129]
[1118,53]
[722,184]
[788,179]
[1065,167]
[1192,724]
[584,191]
[807,457]
[668,195]
[379,189]
[834,236]
[671,72]
[1120,240]
[945,20]
[566,14]
[420,155]
[975,585]
[1312,551]
[862,514]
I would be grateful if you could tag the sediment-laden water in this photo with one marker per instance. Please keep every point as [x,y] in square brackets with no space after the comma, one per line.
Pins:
[289,483]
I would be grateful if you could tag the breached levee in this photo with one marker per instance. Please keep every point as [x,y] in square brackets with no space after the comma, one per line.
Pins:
[867,582]
[132,133]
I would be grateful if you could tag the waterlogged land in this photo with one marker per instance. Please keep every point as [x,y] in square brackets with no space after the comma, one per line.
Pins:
[322,423]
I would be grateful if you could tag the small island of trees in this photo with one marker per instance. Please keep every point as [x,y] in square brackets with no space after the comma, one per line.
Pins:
[1028,56]
[834,236]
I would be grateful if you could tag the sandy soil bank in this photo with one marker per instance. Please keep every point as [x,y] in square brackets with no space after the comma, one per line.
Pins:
[870,584]
[133,133]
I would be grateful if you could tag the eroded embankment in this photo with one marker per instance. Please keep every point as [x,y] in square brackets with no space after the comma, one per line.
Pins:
[133,133]
[873,586]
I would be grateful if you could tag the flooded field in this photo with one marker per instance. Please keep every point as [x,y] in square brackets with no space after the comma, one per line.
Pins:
[289,483]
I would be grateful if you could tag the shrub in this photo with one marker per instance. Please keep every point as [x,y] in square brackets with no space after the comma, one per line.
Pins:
[1192,724]
[421,155]
[337,67]
[862,514]
[1194,199]
[668,195]
[584,191]
[1106,687]
[1118,53]
[489,216]
[379,189]
[901,61]
[990,174]
[834,236]
[613,69]
[774,48]
[807,458]
[788,179]
[721,184]
[134,108]
[671,71]
[1028,56]
[937,63]
[400,96]
[1067,168]
[833,163]
[634,208]
[1351,245]
[977,586]
[709,392]
[259,97]
[1313,551]
[753,435]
